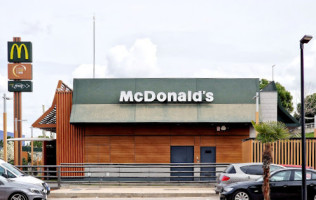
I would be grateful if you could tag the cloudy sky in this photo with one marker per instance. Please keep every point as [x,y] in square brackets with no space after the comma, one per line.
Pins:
[157,38]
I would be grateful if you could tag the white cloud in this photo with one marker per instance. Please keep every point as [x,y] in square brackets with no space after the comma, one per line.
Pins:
[3,83]
[140,60]
[86,71]
[289,74]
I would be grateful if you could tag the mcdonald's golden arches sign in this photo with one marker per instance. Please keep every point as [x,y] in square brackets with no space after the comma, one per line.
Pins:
[19,51]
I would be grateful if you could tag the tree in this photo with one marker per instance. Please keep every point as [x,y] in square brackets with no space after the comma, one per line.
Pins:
[10,151]
[285,96]
[309,107]
[1,141]
[263,82]
[39,144]
[269,132]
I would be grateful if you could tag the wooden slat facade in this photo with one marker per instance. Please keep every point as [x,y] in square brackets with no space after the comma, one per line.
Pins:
[132,142]
[286,152]
[151,143]
[69,138]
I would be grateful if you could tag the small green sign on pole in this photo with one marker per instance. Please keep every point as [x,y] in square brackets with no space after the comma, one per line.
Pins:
[19,52]
[20,86]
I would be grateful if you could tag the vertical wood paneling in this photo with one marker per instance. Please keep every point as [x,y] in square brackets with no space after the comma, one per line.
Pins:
[69,138]
[313,153]
[283,151]
[247,153]
[295,152]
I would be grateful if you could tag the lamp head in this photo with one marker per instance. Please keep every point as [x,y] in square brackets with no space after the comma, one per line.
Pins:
[306,39]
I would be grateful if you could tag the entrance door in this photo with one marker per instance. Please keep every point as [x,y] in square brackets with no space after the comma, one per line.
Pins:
[208,155]
[182,154]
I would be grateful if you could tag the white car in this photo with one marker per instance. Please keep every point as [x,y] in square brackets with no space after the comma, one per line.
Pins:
[9,171]
[240,172]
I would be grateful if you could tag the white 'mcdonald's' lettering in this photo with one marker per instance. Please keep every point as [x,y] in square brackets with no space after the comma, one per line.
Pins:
[151,96]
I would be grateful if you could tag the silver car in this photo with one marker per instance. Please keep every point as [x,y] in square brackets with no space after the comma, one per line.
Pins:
[242,172]
[12,190]
[9,171]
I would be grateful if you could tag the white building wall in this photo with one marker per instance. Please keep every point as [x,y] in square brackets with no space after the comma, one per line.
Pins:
[268,106]
[252,132]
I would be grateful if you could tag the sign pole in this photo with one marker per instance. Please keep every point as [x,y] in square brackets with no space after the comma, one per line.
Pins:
[17,122]
[19,68]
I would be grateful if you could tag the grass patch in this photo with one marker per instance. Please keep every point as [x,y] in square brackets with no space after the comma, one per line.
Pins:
[309,135]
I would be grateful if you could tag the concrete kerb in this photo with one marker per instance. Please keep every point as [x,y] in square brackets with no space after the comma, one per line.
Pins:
[132,191]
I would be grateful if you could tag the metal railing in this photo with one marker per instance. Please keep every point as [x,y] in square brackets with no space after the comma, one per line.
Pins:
[308,126]
[86,173]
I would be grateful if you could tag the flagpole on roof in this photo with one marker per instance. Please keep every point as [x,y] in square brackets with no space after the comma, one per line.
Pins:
[93,46]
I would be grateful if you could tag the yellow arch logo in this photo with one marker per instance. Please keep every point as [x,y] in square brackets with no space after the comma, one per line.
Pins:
[19,49]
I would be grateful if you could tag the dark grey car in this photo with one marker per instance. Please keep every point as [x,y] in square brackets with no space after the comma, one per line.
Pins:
[11,190]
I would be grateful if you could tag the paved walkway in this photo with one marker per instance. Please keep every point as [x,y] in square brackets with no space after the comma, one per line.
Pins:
[132,191]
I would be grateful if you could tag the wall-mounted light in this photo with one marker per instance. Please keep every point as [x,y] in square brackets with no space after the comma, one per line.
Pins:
[221,128]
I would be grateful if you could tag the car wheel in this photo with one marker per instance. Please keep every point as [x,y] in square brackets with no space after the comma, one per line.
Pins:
[241,195]
[18,196]
[314,198]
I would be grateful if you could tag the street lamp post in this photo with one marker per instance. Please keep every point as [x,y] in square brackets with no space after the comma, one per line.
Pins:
[303,41]
[17,156]
[273,72]
[32,146]
[5,155]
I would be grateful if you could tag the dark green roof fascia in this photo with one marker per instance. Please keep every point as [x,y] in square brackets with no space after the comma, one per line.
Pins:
[293,121]
[107,91]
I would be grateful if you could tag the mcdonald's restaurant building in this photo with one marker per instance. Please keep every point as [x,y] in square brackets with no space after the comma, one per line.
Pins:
[156,120]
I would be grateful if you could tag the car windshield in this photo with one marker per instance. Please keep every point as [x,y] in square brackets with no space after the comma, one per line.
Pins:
[13,169]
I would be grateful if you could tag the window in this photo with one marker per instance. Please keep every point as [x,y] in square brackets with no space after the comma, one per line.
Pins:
[10,175]
[313,176]
[298,175]
[252,169]
[281,176]
[2,171]
[230,170]
[13,169]
[274,168]
[255,170]
[244,169]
